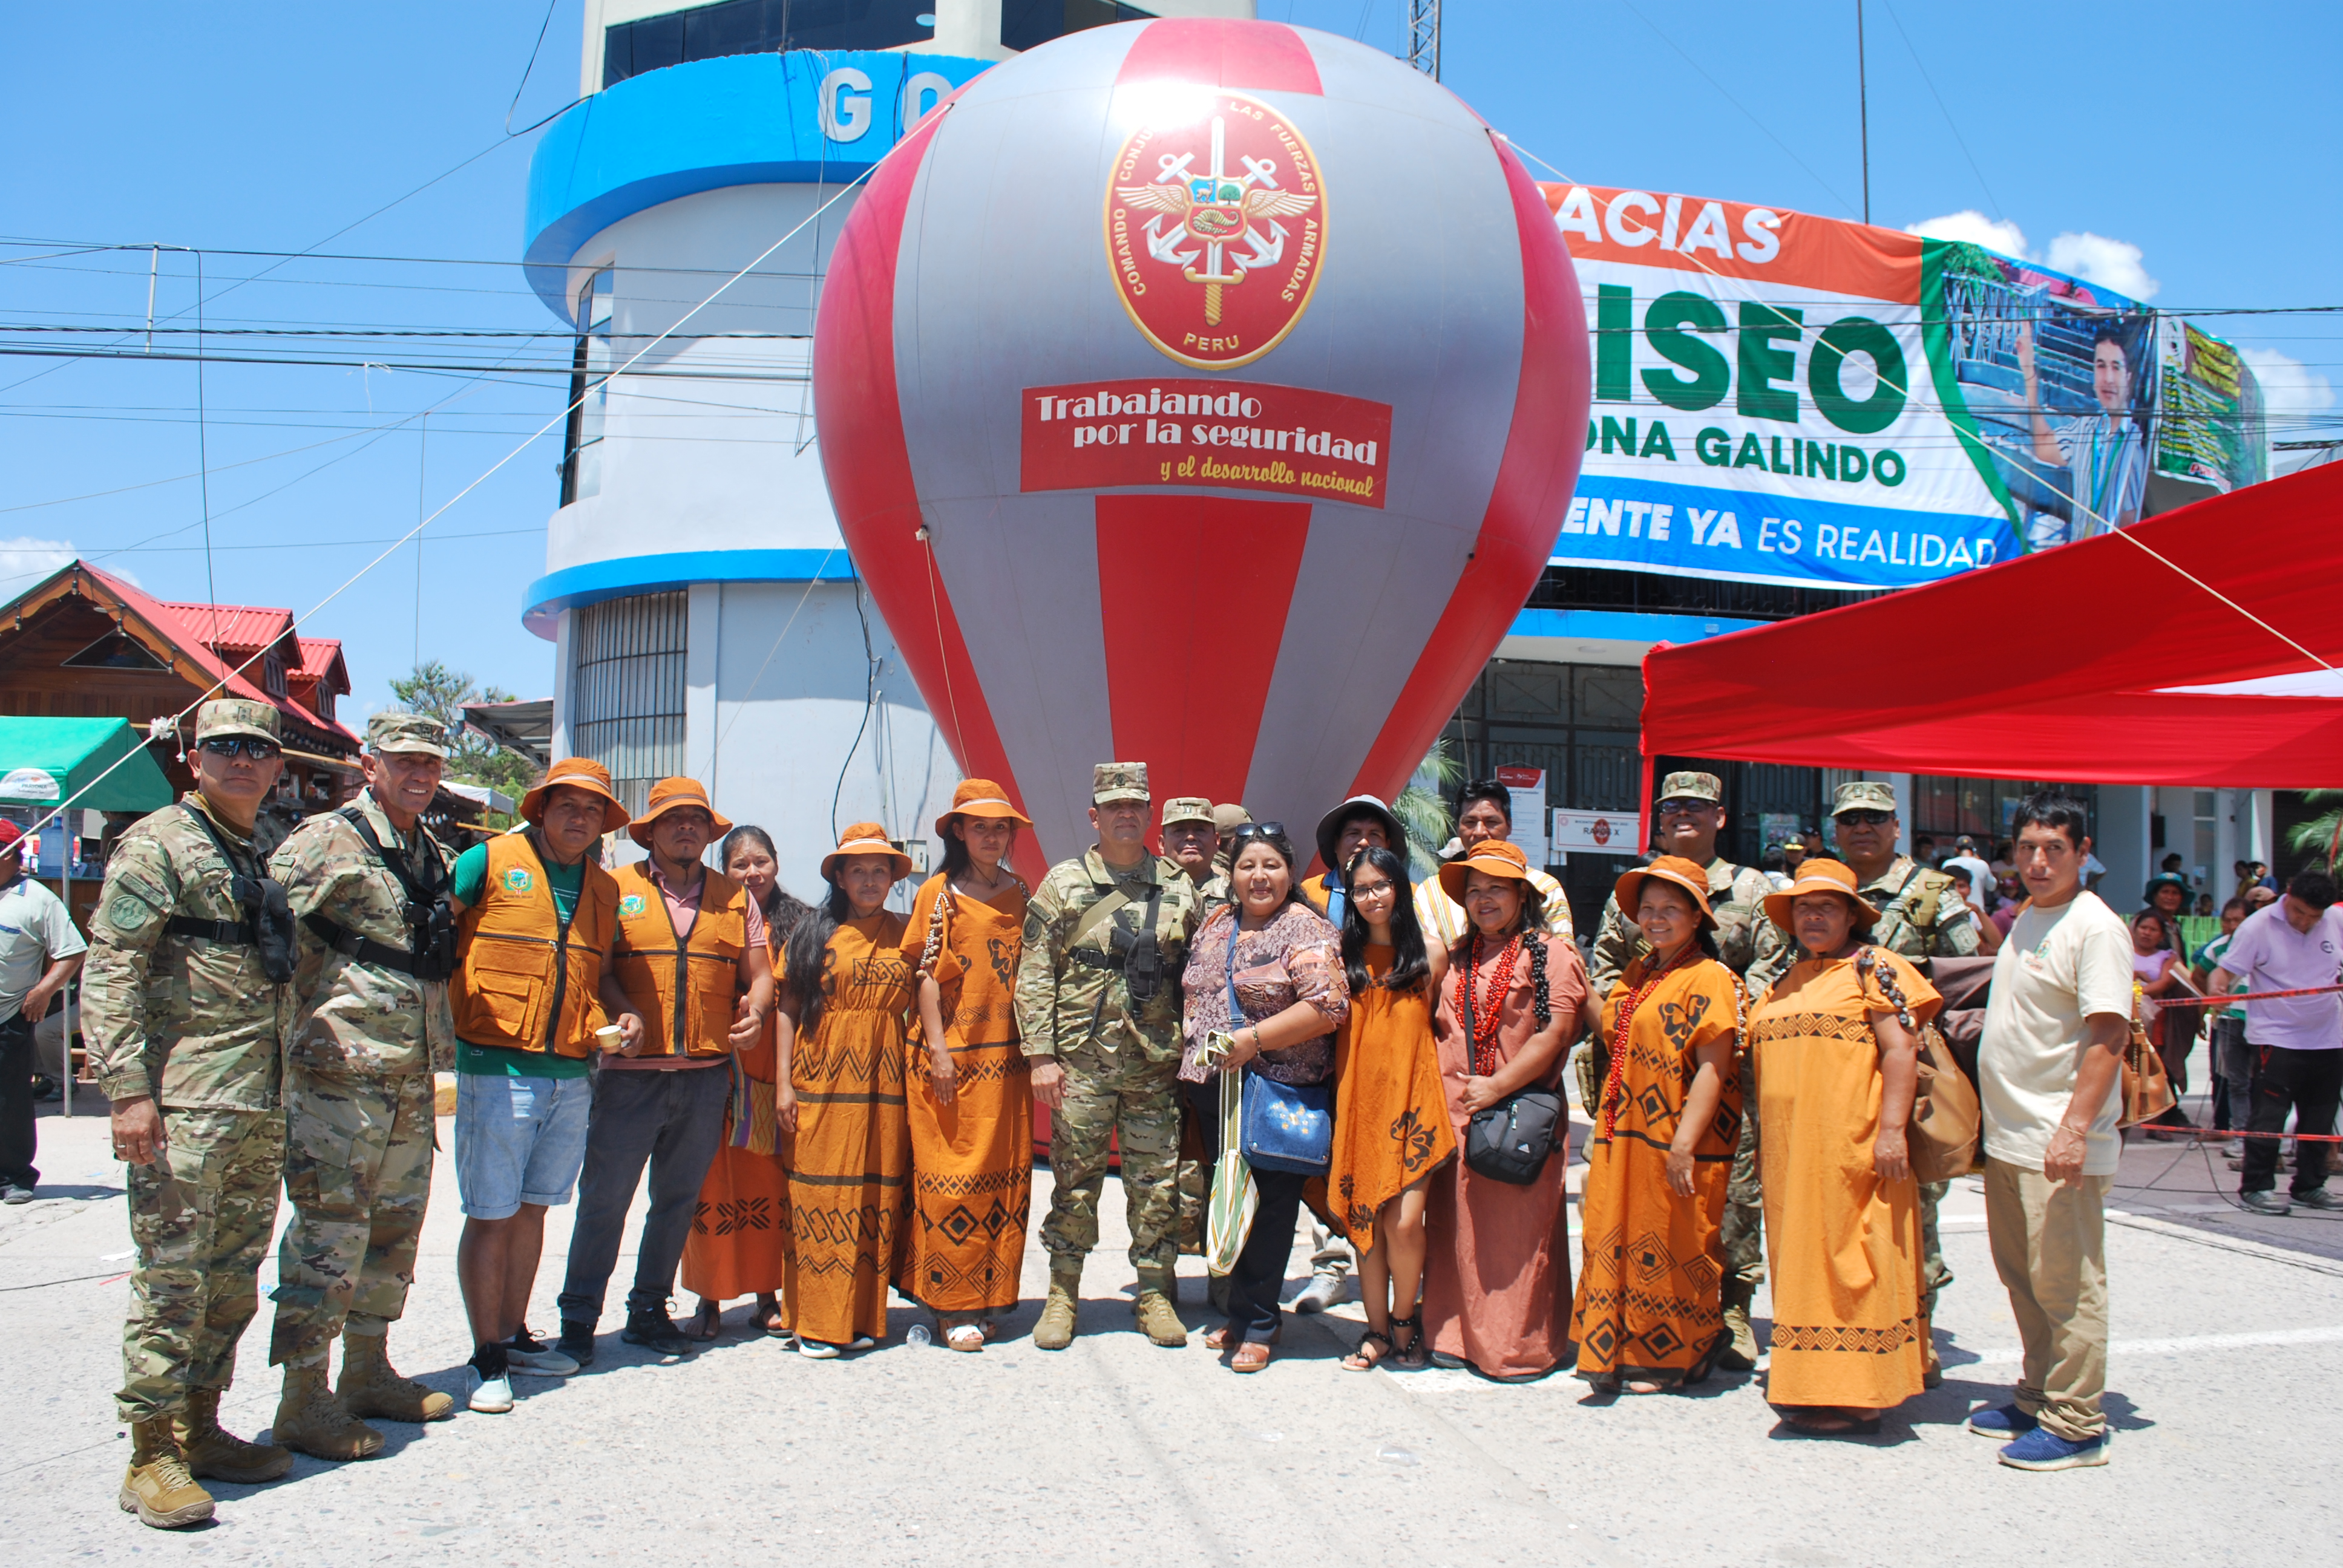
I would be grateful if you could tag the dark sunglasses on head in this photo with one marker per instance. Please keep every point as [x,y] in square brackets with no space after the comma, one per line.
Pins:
[1258,831]
[1864,819]
[250,746]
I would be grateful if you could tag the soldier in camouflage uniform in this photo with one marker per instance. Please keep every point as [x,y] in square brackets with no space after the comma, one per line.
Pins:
[1691,814]
[183,1025]
[1213,889]
[1922,916]
[1104,1061]
[367,1031]
[1191,841]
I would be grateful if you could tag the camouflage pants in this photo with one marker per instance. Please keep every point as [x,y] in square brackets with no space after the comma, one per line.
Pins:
[1196,1185]
[1934,1275]
[1742,1233]
[1139,1103]
[358,1167]
[200,1217]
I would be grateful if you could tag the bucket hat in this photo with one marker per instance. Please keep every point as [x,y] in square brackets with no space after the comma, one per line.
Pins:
[1820,876]
[865,839]
[1330,828]
[672,794]
[1491,857]
[575,773]
[981,798]
[1674,868]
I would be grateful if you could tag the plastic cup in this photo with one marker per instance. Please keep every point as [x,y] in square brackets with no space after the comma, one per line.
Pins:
[609,1038]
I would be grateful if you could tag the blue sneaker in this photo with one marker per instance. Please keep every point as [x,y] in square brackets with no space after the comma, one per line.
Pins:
[2043,1449]
[2004,1423]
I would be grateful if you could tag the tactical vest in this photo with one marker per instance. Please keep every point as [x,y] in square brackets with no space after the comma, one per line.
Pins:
[701,966]
[526,981]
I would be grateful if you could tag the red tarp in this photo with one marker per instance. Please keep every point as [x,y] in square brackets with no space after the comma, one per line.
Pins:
[2054,666]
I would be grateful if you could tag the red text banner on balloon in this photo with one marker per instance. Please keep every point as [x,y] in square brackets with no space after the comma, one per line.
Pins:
[1207,434]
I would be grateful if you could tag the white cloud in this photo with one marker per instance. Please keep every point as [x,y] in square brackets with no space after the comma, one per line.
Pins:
[2111,263]
[1974,228]
[26,562]
[2288,386]
[2095,259]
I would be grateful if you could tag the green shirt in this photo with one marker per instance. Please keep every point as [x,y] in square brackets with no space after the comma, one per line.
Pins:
[469,882]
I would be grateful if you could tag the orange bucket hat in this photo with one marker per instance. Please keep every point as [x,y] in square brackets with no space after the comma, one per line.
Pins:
[1673,869]
[865,839]
[575,773]
[669,794]
[981,798]
[1820,876]
[1490,857]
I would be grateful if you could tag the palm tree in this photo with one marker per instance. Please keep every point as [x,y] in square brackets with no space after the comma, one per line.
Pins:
[2323,835]
[1422,808]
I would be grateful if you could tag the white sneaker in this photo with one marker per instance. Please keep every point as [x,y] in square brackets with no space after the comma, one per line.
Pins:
[1323,1292]
[538,1358]
[491,1395]
[817,1350]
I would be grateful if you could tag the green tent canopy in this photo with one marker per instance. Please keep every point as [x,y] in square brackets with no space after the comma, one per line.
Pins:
[48,762]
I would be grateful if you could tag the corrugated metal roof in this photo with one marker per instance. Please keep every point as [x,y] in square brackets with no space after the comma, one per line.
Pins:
[320,655]
[171,621]
[233,626]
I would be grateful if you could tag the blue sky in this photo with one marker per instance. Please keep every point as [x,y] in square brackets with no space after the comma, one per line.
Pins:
[2163,147]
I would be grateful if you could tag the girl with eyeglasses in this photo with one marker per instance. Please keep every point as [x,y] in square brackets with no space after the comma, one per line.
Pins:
[1391,1131]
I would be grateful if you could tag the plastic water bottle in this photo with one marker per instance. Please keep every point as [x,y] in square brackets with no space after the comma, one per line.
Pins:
[918,1336]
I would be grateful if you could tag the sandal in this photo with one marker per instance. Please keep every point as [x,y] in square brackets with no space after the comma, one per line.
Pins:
[1807,1423]
[767,1317]
[1360,1361]
[1250,1357]
[1221,1338]
[964,1337]
[1416,1354]
[707,1322]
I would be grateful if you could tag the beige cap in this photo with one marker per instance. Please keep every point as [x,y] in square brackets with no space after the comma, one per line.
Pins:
[1118,782]
[238,716]
[1864,795]
[1693,787]
[1189,808]
[393,732]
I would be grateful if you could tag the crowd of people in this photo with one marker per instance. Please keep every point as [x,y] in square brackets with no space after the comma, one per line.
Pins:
[834,1101]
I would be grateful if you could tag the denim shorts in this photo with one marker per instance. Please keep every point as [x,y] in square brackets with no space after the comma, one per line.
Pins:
[519,1140]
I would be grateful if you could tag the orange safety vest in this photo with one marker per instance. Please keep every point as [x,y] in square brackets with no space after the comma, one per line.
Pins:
[524,979]
[702,967]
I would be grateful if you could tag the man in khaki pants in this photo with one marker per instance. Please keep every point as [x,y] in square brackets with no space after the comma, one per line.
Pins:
[2050,1068]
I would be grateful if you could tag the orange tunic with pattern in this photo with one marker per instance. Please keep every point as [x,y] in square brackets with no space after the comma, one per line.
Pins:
[739,1241]
[1649,1307]
[852,1160]
[1391,1116]
[971,1161]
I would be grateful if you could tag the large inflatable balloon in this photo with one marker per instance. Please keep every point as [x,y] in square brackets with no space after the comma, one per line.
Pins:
[1205,393]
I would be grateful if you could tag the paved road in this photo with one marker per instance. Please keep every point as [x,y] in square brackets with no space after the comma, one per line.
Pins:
[2226,1402]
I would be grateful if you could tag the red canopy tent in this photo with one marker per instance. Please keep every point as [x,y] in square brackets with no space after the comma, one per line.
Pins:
[2062,665]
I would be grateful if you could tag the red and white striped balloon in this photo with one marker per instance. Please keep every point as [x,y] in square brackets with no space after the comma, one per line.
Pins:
[1202,393]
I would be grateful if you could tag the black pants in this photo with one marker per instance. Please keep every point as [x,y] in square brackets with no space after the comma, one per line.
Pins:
[19,1132]
[2232,1073]
[674,1120]
[1257,1285]
[2308,1083]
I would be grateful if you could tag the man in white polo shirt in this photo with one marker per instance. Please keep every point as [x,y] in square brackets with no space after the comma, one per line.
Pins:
[39,951]
[2048,1070]
[2295,944]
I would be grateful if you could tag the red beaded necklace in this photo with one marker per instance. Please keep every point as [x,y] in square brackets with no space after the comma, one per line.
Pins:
[1615,1082]
[1480,1035]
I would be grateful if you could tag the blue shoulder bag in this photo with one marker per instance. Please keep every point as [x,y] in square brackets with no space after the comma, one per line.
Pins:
[1288,1127]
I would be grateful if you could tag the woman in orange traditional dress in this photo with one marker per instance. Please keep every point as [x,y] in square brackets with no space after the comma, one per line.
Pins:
[1837,1063]
[739,1239]
[844,993]
[1649,1314]
[1496,1288]
[1391,1118]
[971,1097]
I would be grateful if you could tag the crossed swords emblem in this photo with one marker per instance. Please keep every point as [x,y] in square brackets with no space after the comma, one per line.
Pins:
[1219,211]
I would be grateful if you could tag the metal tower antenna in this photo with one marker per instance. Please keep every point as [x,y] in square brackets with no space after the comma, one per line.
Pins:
[1424,37]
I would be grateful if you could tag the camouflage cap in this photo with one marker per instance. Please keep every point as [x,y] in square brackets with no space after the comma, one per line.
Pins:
[238,716]
[1230,817]
[1118,782]
[1864,795]
[389,731]
[1189,808]
[1705,787]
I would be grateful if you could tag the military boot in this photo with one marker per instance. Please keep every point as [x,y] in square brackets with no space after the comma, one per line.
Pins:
[1741,1355]
[1055,1331]
[214,1450]
[370,1385]
[311,1421]
[157,1487]
[1158,1319]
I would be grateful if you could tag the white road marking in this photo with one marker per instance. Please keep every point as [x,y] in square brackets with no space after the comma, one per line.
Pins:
[2010,1355]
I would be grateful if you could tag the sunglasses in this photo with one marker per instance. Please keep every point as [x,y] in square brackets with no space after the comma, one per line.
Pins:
[1864,819]
[1682,808]
[1258,831]
[250,746]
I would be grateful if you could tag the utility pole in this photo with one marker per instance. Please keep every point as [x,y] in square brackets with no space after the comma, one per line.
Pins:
[1862,108]
[1424,37]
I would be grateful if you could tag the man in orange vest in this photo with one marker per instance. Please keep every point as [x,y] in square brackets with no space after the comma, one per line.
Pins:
[691,985]
[535,920]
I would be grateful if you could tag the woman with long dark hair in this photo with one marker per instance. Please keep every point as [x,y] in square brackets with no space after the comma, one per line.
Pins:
[971,1092]
[1279,963]
[1391,1120]
[1496,1289]
[738,1243]
[1650,1314]
[845,989]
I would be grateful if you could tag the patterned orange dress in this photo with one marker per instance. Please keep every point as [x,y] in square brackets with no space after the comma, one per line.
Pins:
[739,1241]
[1390,1118]
[1649,1307]
[971,1161]
[852,1163]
